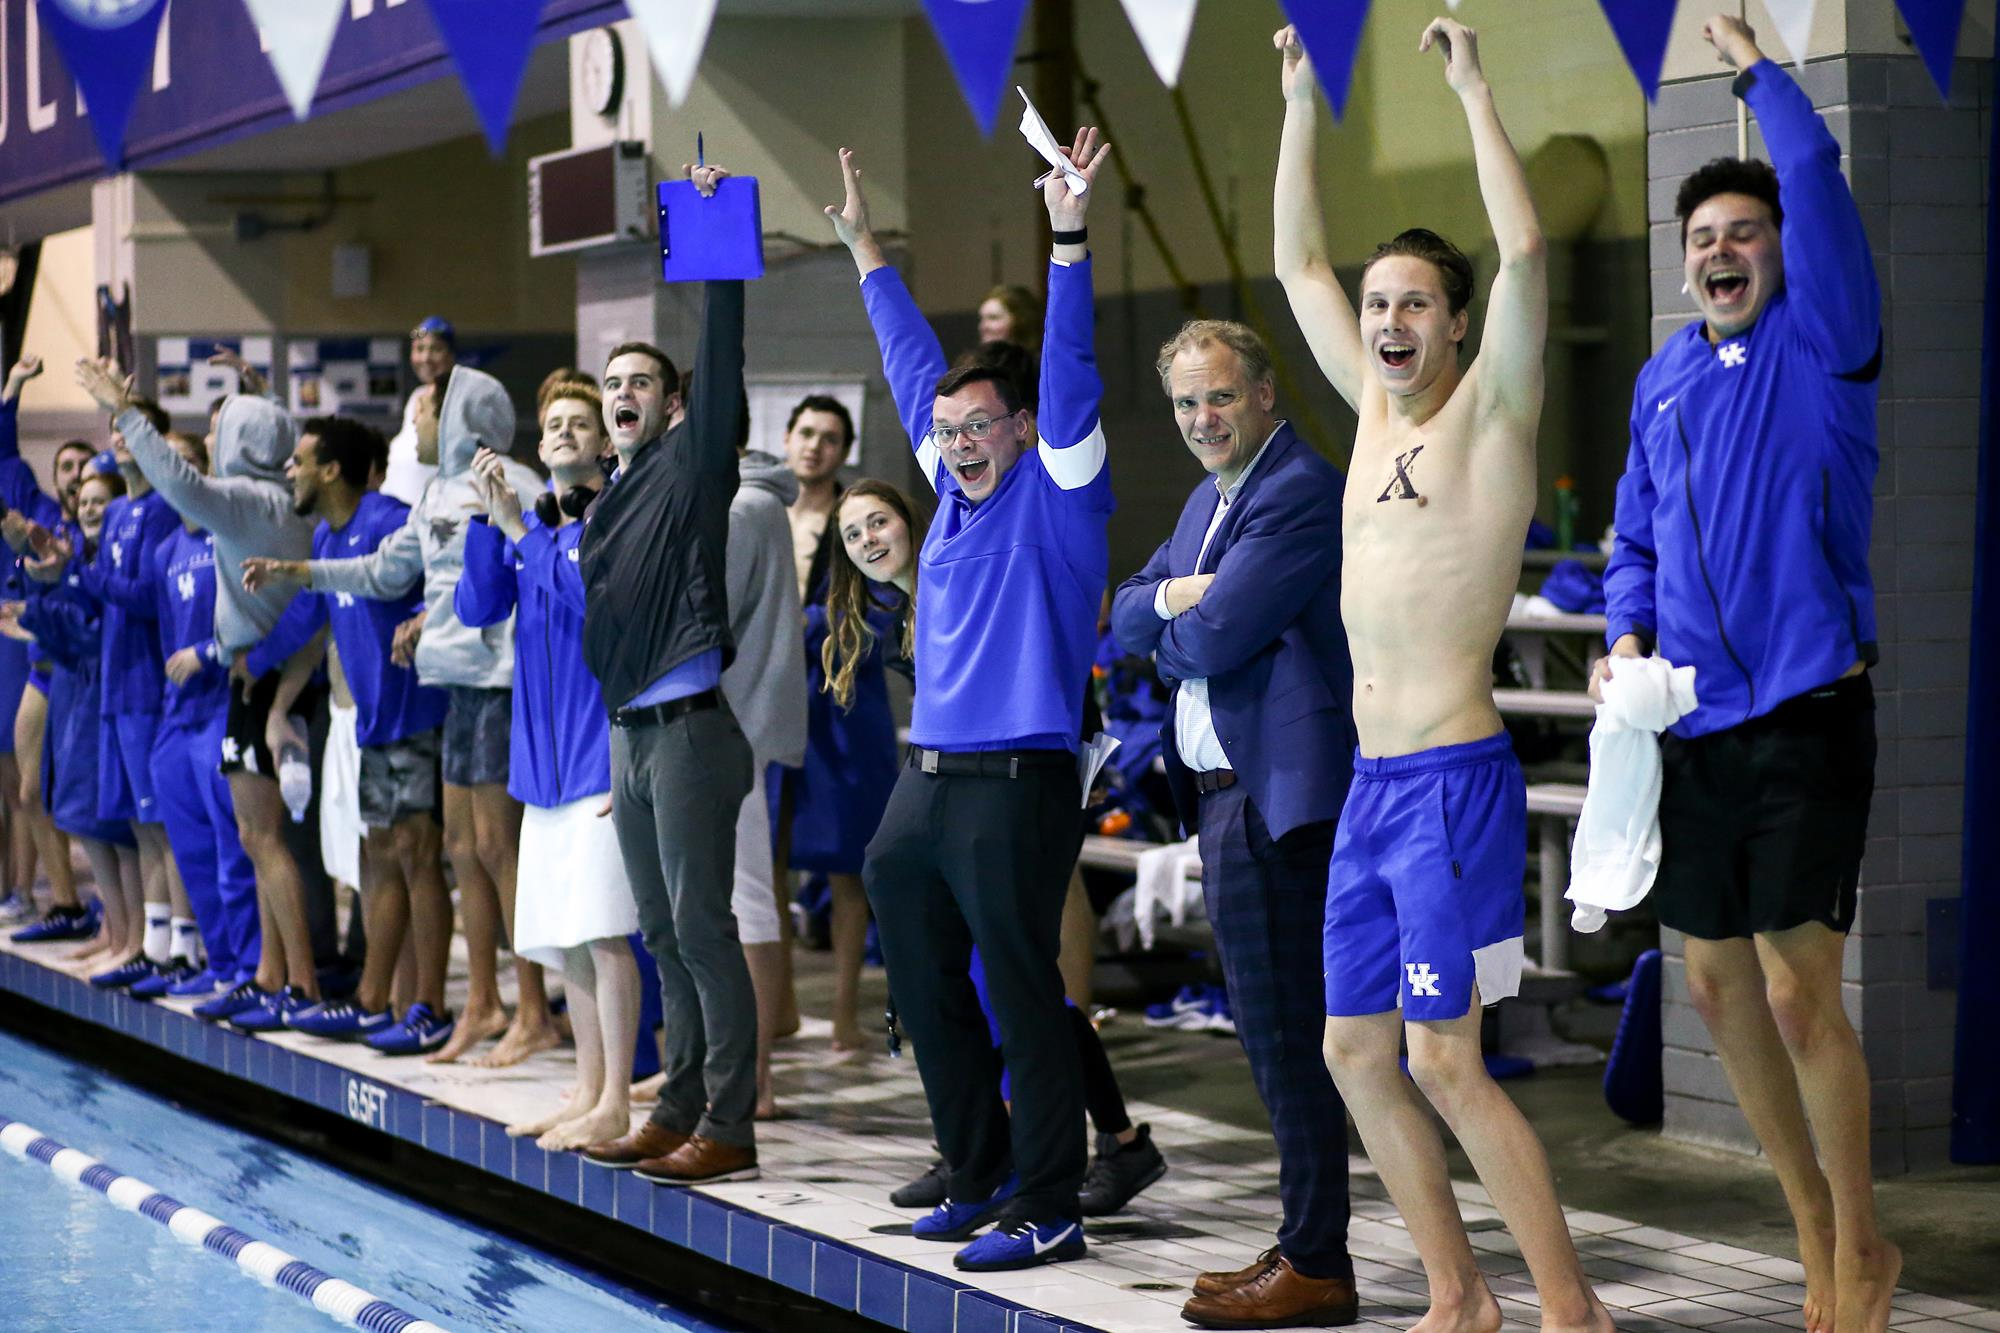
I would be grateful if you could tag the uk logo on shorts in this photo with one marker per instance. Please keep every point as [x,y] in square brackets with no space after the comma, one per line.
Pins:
[1423,981]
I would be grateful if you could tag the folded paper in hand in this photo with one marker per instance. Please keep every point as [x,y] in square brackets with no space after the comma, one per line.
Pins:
[1036,131]
[1090,759]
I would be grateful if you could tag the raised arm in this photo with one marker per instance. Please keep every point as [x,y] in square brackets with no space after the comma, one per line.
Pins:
[912,358]
[1072,436]
[1828,264]
[1320,306]
[1517,310]
[19,488]
[486,590]
[205,500]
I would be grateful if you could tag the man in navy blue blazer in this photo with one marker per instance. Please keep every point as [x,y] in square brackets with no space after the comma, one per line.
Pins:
[1241,611]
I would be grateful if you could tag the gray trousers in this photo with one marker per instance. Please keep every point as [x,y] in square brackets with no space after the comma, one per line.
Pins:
[675,793]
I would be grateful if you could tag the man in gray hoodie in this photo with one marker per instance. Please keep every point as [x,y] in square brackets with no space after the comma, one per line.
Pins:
[246,505]
[482,823]
[766,689]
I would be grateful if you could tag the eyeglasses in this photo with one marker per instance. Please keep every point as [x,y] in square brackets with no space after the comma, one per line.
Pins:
[941,437]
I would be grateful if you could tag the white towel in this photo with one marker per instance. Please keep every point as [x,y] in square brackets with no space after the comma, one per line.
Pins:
[1617,849]
[1169,880]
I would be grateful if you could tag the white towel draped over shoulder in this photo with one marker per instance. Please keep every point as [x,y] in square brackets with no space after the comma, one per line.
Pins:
[1617,850]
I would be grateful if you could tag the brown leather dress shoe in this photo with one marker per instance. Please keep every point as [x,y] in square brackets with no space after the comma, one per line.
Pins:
[1214,1284]
[701,1161]
[647,1141]
[1278,1297]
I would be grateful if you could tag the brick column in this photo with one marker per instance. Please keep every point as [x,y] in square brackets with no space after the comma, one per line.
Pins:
[1918,168]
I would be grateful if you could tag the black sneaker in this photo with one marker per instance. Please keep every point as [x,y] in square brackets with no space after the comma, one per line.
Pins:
[926,1191]
[1119,1171]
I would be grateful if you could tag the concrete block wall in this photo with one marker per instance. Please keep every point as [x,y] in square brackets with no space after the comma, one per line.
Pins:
[1918,168]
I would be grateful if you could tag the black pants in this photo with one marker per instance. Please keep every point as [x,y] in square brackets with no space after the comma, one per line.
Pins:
[959,861]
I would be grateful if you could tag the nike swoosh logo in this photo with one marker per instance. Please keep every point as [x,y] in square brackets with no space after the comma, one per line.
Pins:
[1054,1240]
[1665,403]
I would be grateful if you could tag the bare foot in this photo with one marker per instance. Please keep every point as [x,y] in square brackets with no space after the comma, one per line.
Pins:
[523,1039]
[1867,1281]
[788,1017]
[534,1129]
[1598,1320]
[1816,1255]
[601,1123]
[847,1039]
[647,1090]
[1475,1312]
[472,1029]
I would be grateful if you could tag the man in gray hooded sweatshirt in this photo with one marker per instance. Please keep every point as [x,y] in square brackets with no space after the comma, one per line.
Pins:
[766,689]
[482,823]
[247,506]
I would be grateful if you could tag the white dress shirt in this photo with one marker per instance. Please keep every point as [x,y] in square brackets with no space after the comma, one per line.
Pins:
[1194,726]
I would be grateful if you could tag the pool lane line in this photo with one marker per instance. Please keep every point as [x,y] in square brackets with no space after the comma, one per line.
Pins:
[267,1263]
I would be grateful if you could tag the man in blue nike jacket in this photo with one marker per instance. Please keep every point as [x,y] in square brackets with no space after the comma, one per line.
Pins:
[1742,549]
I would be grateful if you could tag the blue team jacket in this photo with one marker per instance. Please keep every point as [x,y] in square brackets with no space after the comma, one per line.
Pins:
[129,653]
[389,704]
[18,490]
[1743,516]
[182,571]
[561,735]
[66,624]
[1017,578]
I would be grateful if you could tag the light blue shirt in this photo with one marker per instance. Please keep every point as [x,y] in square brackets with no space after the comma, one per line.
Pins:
[701,672]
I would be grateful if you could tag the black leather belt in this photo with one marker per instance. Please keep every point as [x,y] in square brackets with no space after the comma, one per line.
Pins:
[986,763]
[1214,779]
[655,715]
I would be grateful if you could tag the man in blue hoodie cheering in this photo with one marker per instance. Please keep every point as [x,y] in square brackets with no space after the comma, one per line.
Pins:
[1013,568]
[1743,524]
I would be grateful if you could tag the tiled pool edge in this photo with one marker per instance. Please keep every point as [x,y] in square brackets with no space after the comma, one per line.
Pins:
[872,1286]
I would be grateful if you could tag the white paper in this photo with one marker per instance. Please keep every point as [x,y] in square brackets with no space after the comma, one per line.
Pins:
[676,31]
[1090,760]
[1162,27]
[1794,20]
[297,34]
[1036,131]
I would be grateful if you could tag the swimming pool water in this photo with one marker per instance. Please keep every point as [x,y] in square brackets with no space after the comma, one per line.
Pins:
[71,1260]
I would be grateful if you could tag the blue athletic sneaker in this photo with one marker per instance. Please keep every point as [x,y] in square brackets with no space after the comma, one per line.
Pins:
[951,1220]
[1020,1243]
[153,987]
[273,1014]
[1217,1015]
[340,1019]
[419,1032]
[125,974]
[1187,1011]
[241,998]
[203,982]
[60,923]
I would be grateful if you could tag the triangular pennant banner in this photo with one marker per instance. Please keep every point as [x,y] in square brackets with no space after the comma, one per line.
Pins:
[1163,27]
[109,49]
[1330,31]
[978,38]
[676,31]
[297,34]
[489,41]
[1794,22]
[1934,28]
[1641,27]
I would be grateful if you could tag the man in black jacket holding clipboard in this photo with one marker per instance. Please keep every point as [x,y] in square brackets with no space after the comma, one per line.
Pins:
[656,636]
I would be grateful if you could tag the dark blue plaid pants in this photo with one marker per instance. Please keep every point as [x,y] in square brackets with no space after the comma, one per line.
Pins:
[1267,906]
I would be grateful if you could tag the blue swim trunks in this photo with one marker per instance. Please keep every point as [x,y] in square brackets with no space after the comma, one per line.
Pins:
[1424,894]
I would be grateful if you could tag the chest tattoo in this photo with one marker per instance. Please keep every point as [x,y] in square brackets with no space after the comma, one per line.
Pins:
[1400,486]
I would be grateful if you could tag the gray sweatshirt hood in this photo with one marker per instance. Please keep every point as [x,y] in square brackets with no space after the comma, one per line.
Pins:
[476,412]
[253,438]
[770,473]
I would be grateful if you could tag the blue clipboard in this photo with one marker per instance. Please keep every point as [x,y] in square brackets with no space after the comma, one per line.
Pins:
[707,239]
